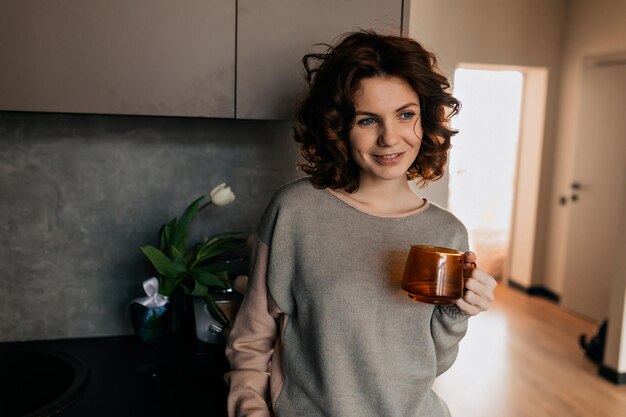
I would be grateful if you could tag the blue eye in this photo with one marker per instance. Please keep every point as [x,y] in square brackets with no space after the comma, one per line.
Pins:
[367,121]
[407,115]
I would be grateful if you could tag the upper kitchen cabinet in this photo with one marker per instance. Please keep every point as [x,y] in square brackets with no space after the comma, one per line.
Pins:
[274,35]
[144,57]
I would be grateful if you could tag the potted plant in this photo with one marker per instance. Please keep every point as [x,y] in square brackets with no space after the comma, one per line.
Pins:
[192,268]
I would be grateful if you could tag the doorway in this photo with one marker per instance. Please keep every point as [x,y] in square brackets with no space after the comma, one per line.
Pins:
[506,252]
[484,159]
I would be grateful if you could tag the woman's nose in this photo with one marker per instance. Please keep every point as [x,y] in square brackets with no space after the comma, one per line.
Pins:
[388,136]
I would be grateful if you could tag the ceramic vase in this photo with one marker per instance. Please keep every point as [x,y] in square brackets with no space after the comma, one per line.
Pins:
[150,323]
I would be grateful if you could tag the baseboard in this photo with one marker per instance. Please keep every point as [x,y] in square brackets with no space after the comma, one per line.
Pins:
[538,291]
[517,286]
[618,378]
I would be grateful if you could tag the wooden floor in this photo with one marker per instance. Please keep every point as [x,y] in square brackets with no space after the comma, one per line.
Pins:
[521,359]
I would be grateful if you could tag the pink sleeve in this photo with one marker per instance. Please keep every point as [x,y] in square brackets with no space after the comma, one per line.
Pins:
[250,345]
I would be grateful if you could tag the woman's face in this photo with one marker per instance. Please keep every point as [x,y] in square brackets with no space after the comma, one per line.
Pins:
[386,134]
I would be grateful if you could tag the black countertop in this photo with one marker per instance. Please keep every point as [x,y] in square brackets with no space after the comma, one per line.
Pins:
[188,383]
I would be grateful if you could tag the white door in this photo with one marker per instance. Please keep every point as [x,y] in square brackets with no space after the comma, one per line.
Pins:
[597,190]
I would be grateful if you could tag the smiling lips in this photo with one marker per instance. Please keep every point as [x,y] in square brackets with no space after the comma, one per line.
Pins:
[388,159]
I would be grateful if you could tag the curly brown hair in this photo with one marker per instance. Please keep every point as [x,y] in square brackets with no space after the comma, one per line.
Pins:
[326,115]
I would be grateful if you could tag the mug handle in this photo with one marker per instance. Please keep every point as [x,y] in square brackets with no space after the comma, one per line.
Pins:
[467,272]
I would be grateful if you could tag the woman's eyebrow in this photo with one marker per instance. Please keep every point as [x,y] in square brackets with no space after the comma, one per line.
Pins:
[407,105]
[369,113]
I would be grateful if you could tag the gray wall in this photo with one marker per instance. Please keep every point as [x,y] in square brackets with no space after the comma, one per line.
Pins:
[79,194]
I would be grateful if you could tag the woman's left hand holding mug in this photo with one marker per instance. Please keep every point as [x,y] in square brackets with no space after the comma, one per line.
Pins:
[479,287]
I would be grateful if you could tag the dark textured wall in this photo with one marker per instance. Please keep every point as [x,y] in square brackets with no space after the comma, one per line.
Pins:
[80,193]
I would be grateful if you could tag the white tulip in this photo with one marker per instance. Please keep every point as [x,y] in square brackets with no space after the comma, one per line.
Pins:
[222,195]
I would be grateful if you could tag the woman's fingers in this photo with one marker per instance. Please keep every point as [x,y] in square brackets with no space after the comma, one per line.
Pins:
[479,287]
[467,308]
[481,283]
[478,294]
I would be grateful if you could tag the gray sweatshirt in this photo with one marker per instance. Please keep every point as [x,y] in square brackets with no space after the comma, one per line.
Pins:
[324,329]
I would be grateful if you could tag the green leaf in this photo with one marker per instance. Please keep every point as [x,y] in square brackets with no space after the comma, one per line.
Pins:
[198,289]
[234,239]
[216,312]
[177,256]
[161,262]
[211,248]
[191,257]
[225,235]
[211,279]
[179,237]
[167,285]
[213,268]
[167,230]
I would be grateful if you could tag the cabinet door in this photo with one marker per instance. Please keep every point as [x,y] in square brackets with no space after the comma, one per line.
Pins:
[274,35]
[145,57]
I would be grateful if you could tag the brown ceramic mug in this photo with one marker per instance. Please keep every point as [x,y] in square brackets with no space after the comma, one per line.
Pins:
[434,275]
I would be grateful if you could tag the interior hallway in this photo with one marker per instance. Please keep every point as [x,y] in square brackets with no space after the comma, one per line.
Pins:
[521,359]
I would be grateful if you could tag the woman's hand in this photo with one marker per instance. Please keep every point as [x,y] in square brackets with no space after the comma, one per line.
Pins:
[479,287]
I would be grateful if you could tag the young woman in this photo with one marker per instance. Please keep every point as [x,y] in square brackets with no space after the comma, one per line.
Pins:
[324,329]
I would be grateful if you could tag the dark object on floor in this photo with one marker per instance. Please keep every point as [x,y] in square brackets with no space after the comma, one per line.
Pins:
[594,347]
